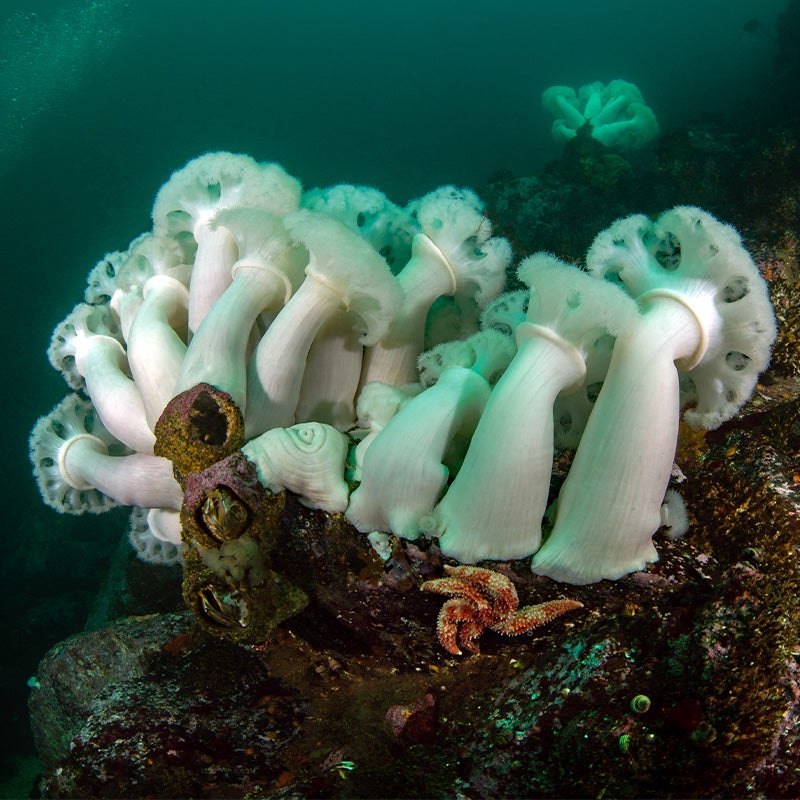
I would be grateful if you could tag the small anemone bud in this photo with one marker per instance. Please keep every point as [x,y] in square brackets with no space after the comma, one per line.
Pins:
[674,515]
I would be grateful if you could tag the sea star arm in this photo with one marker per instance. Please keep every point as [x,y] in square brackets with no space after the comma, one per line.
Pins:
[458,587]
[456,624]
[530,617]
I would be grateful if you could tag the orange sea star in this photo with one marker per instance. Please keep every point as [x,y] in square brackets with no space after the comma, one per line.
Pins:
[480,599]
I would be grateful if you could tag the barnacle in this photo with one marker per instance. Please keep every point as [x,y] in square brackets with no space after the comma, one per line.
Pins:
[243,601]
[223,515]
[199,427]
[224,608]
[226,500]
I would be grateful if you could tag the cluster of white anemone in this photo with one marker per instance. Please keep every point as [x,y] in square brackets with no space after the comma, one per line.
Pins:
[614,115]
[369,346]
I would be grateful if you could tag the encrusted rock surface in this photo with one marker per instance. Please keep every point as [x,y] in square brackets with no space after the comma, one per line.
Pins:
[140,709]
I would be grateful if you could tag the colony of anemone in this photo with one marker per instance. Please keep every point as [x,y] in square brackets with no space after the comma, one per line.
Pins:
[261,340]
[614,115]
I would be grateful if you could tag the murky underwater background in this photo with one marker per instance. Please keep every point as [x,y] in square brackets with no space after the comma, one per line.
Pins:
[100,101]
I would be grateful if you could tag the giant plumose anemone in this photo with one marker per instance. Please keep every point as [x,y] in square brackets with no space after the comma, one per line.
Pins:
[262,340]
